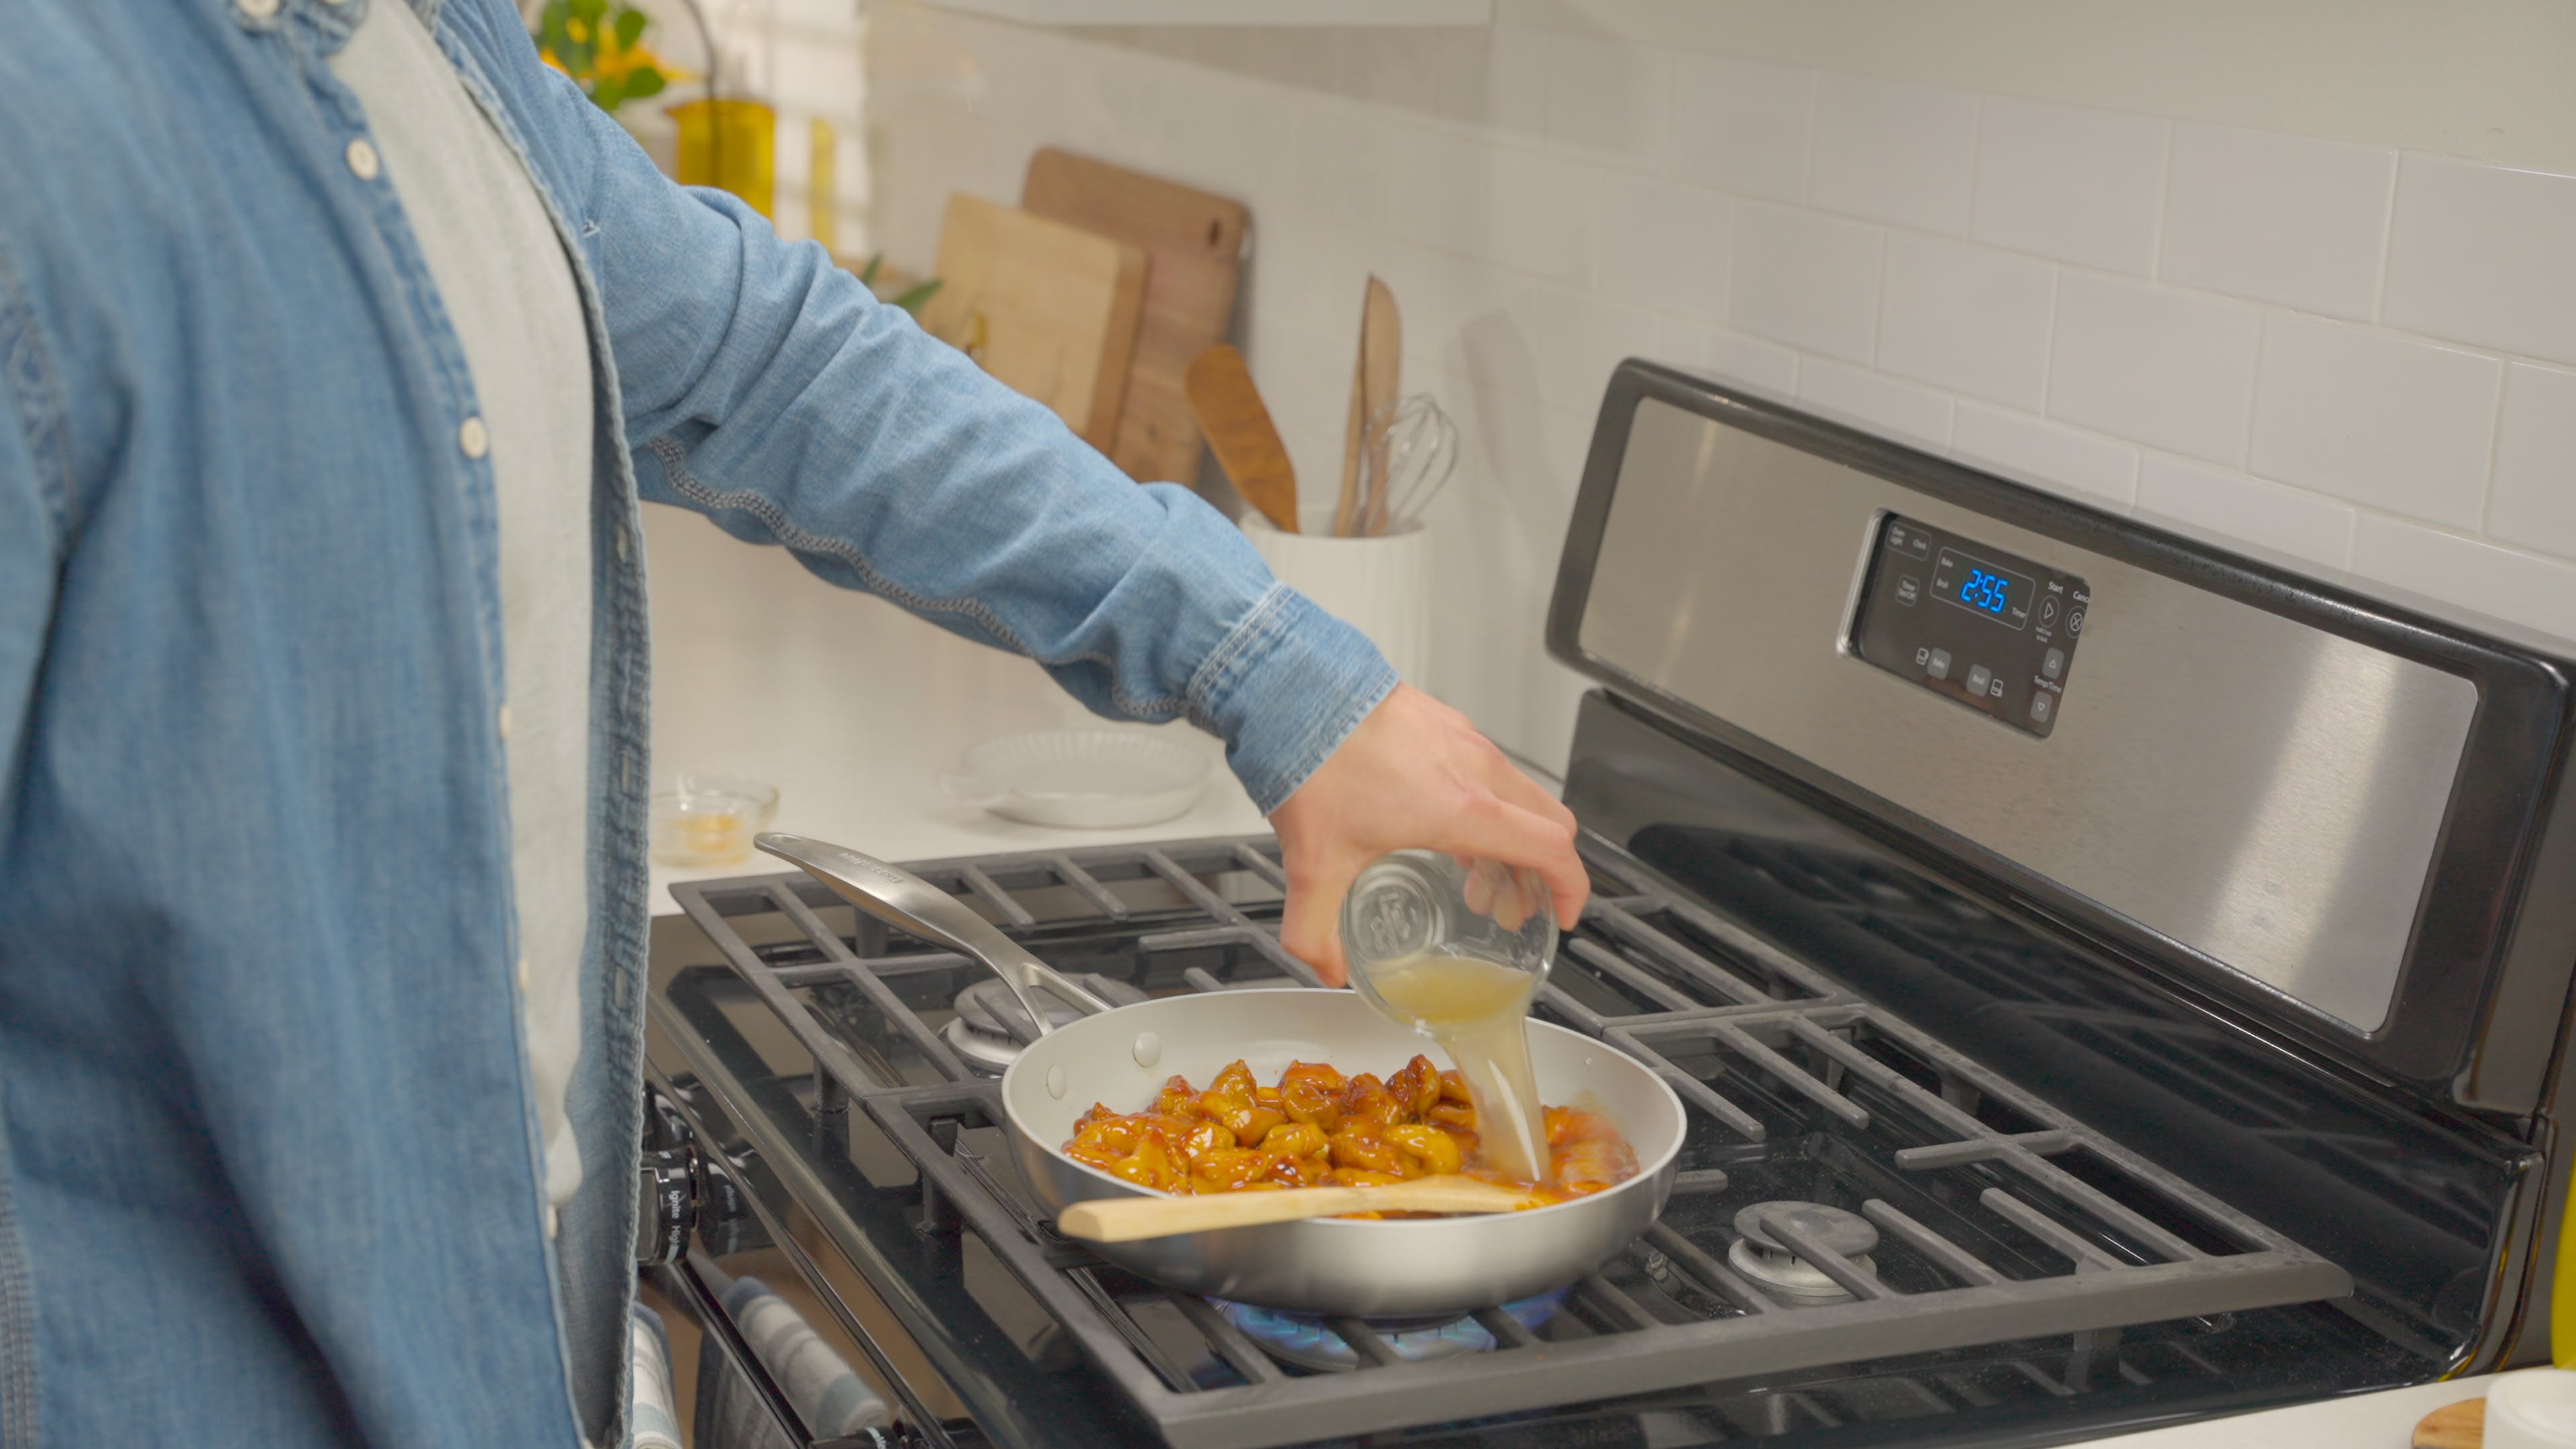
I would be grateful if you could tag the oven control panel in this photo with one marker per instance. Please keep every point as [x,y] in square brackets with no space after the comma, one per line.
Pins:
[1992,630]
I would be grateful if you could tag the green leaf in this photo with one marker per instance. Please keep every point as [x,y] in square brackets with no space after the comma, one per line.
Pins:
[630,28]
[643,81]
[868,273]
[609,94]
[911,300]
[590,10]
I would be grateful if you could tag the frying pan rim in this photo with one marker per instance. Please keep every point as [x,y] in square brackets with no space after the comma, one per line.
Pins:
[1647,1172]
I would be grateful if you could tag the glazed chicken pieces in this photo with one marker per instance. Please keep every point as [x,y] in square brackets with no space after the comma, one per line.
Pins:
[1318,1127]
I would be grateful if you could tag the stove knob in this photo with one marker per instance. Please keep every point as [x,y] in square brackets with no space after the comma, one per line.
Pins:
[666,1207]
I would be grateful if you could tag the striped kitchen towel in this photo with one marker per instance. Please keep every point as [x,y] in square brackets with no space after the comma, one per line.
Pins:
[833,1401]
[653,1417]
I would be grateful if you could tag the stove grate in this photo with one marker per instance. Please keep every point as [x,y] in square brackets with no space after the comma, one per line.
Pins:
[1999,1218]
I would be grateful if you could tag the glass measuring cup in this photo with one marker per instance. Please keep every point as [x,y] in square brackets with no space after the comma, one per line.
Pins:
[1455,949]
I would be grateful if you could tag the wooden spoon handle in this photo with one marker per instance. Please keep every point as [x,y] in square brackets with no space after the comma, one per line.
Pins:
[1125,1219]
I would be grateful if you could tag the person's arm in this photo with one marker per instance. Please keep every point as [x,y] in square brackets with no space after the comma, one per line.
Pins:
[31,495]
[765,387]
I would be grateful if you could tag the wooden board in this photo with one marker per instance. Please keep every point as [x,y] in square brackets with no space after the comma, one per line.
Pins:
[2454,1426]
[1048,308]
[1195,240]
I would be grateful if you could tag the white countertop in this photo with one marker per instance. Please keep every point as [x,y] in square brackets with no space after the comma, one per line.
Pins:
[852,708]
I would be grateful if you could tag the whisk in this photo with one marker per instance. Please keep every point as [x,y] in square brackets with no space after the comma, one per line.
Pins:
[1412,448]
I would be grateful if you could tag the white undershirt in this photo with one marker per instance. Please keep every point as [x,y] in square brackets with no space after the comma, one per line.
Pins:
[508,290]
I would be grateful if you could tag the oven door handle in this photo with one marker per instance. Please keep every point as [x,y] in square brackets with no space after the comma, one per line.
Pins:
[679,1281]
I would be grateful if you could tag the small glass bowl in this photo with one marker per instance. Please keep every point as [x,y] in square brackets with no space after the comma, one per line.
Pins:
[710,820]
[1417,902]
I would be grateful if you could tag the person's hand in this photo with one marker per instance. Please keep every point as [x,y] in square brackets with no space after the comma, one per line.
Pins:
[1414,775]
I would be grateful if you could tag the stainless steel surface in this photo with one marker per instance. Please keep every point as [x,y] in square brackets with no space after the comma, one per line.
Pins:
[2263,792]
[1334,1265]
[900,898]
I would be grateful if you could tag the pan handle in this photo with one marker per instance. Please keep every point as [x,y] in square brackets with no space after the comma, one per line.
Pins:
[899,898]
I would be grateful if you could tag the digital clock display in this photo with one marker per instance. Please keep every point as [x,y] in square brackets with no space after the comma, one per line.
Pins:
[1983,590]
[1988,590]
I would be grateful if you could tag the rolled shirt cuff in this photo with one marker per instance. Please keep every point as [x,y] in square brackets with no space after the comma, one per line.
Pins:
[1287,686]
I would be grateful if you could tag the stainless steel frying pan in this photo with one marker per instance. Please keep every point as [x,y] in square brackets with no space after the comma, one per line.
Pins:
[1121,1056]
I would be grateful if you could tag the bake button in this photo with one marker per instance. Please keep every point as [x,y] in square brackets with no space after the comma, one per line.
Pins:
[1979,676]
[2042,705]
[1939,668]
[2052,664]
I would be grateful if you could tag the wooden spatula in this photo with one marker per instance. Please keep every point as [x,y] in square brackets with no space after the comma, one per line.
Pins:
[1238,427]
[1374,386]
[1125,1219]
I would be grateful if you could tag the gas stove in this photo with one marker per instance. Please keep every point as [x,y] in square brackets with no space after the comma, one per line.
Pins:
[2002,1130]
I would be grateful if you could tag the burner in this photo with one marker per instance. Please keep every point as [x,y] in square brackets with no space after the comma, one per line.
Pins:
[1307,1341]
[1760,1256]
[990,1020]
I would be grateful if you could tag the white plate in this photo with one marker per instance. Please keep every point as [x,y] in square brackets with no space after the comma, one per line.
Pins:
[1082,779]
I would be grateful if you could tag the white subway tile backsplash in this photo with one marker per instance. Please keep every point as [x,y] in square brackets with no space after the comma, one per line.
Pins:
[1806,280]
[1578,338]
[2375,419]
[1533,223]
[1515,79]
[1606,94]
[2534,499]
[1966,317]
[1439,189]
[1875,403]
[1547,203]
[1661,245]
[1340,164]
[1895,151]
[1741,125]
[2480,254]
[2070,182]
[2062,460]
[1730,357]
[2278,218]
[2505,583]
[2231,505]
[2161,367]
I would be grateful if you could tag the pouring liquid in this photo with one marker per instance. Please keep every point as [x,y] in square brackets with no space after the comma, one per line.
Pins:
[1478,1011]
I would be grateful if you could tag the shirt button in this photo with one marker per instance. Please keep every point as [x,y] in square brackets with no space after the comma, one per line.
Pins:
[474,438]
[523,976]
[554,1221]
[501,721]
[257,9]
[363,161]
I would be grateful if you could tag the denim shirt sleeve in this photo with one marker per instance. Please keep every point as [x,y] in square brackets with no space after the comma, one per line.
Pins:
[33,493]
[766,388]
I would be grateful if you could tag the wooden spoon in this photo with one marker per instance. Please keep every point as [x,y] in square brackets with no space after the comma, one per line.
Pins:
[1238,427]
[1125,1219]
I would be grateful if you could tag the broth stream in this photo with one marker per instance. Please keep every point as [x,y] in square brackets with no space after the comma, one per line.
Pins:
[1479,1013]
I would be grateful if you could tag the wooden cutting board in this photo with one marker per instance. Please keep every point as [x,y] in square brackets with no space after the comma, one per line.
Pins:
[1195,241]
[1048,308]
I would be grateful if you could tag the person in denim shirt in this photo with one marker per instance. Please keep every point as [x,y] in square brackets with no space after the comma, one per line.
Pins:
[270,1166]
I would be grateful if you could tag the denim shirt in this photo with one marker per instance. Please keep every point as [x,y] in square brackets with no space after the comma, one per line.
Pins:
[269,1169]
